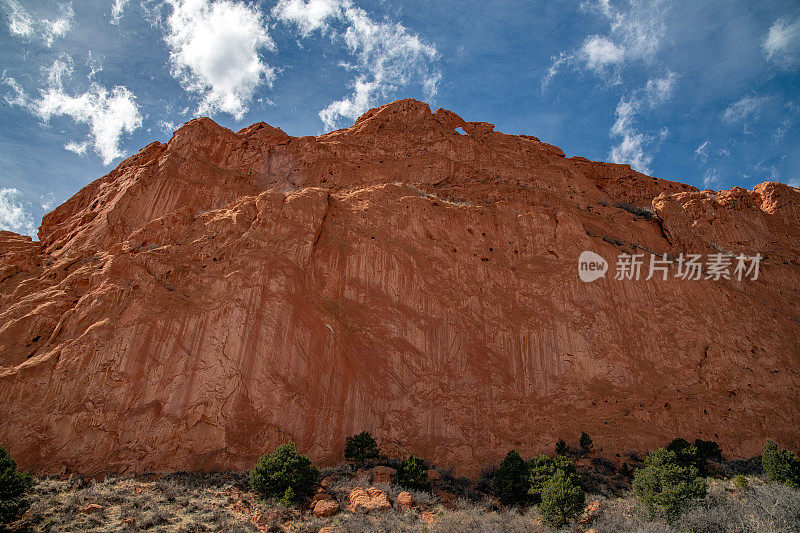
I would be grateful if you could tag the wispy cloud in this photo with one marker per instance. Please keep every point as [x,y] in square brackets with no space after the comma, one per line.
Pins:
[711,179]
[633,143]
[22,24]
[599,52]
[782,44]
[13,215]
[745,108]
[47,201]
[76,147]
[635,34]
[309,15]
[117,10]
[780,132]
[387,56]
[214,51]
[701,152]
[108,114]
[19,98]
[166,126]
[58,27]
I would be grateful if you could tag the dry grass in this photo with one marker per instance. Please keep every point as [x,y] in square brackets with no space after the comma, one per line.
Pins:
[177,502]
[761,508]
[221,502]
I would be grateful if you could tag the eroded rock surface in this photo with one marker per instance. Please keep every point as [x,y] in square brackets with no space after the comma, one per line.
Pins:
[225,292]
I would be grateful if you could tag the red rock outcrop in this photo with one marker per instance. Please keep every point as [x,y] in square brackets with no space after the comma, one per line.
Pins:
[225,292]
[368,500]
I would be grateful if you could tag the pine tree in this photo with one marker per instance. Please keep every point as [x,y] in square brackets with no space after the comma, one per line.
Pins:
[511,480]
[666,485]
[13,486]
[585,442]
[413,474]
[283,474]
[561,447]
[562,499]
[781,466]
[361,448]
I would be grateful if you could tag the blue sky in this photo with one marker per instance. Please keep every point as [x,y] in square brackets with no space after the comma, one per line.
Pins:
[706,93]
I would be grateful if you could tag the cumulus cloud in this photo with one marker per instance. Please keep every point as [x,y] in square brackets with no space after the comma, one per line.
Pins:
[214,52]
[633,144]
[635,34]
[13,215]
[743,109]
[386,55]
[108,114]
[22,24]
[782,44]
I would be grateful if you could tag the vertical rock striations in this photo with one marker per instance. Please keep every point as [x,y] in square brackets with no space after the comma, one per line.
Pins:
[219,294]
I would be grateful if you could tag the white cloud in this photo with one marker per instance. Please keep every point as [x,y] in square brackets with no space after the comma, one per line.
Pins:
[95,64]
[599,52]
[52,29]
[386,55]
[768,172]
[214,51]
[108,114]
[630,149]
[635,34]
[782,44]
[602,6]
[701,152]
[13,215]
[308,15]
[21,24]
[166,126]
[660,90]
[117,10]
[47,201]
[711,179]
[19,98]
[747,107]
[559,61]
[78,148]
[794,183]
[782,129]
[634,144]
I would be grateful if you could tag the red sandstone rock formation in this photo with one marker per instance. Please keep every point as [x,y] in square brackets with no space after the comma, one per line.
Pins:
[225,292]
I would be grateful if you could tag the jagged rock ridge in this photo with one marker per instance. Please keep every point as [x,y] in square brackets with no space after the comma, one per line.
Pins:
[219,294]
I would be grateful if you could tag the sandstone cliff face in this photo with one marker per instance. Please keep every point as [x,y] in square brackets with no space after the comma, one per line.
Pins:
[225,292]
